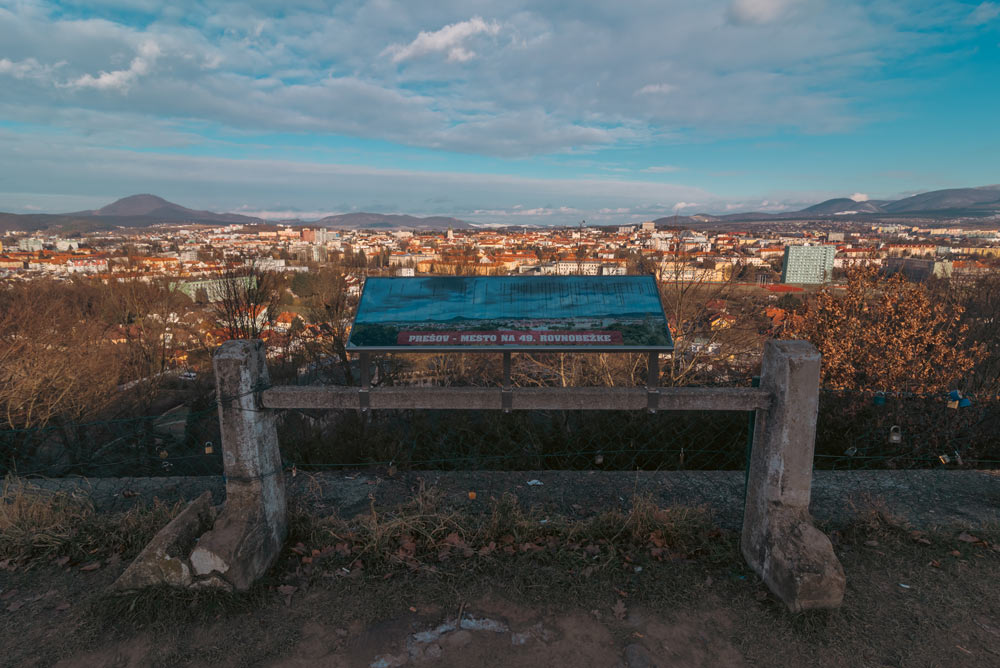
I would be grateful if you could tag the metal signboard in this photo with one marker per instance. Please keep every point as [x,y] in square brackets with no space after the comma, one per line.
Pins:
[463,313]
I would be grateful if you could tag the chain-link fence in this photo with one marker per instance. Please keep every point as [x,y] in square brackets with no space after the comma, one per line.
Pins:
[181,442]
[522,440]
[874,430]
[906,448]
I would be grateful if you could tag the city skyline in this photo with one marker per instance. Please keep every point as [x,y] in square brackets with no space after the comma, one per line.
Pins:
[522,114]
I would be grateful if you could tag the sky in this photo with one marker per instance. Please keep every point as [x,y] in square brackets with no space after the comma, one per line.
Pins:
[497,112]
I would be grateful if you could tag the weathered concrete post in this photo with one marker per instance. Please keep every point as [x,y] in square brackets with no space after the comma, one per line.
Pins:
[779,541]
[250,531]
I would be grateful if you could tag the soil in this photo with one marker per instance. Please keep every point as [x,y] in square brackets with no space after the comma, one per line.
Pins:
[908,604]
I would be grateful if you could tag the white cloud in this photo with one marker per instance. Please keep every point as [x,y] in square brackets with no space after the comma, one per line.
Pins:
[984,13]
[656,89]
[661,169]
[450,39]
[758,12]
[685,205]
[149,51]
[285,214]
[250,69]
[537,212]
[29,68]
[860,197]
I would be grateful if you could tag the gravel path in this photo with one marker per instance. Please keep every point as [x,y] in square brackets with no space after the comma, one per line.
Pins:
[924,498]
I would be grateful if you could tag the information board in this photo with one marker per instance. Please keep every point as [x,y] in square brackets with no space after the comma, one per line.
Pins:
[437,313]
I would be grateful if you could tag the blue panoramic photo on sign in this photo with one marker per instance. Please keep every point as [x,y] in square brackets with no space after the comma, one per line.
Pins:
[511,311]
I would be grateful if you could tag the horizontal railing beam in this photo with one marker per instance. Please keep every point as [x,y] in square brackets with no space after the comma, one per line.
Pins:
[522,399]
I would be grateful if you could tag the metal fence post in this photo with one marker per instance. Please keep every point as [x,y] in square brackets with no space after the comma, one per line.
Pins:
[250,531]
[795,559]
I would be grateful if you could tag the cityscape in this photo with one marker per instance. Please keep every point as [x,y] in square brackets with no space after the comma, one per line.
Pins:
[754,262]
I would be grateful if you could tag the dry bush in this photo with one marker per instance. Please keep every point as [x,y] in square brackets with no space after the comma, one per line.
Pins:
[887,334]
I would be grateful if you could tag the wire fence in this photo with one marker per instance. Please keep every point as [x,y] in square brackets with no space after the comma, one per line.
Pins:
[182,442]
[855,431]
[875,430]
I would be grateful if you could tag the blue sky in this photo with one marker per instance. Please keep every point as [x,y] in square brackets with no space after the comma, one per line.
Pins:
[509,112]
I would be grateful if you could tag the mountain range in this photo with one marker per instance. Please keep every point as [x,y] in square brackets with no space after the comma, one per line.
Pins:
[138,211]
[144,210]
[950,203]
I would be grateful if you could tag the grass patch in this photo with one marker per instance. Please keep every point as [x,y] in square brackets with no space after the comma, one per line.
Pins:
[423,536]
[40,524]
[166,608]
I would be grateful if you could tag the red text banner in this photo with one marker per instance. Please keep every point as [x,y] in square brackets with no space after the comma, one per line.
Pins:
[509,338]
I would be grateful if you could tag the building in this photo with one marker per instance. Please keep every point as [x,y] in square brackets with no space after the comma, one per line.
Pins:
[213,289]
[808,264]
[918,269]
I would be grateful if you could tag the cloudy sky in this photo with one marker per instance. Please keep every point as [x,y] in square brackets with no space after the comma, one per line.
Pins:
[493,111]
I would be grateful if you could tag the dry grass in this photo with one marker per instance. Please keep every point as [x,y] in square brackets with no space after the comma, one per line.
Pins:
[422,535]
[39,524]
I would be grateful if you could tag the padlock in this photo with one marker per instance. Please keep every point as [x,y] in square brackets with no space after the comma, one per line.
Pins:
[895,434]
[164,454]
[879,399]
[953,404]
[850,452]
[944,459]
[599,459]
[208,448]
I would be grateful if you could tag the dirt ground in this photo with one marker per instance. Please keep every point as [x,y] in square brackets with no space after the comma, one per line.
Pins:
[909,603]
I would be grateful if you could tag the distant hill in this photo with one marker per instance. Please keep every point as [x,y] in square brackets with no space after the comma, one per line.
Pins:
[134,211]
[376,221]
[145,210]
[949,203]
[982,198]
[148,207]
[842,205]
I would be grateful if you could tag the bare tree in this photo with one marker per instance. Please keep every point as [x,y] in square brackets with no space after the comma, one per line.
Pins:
[58,362]
[332,309]
[246,300]
[716,333]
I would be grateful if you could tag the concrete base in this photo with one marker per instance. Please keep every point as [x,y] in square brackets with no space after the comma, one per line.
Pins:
[797,563]
[165,560]
[236,552]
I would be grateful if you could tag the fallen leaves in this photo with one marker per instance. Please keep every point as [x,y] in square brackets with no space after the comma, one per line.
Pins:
[619,610]
[92,566]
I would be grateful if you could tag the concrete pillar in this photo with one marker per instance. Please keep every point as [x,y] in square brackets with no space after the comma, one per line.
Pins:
[779,541]
[251,529]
